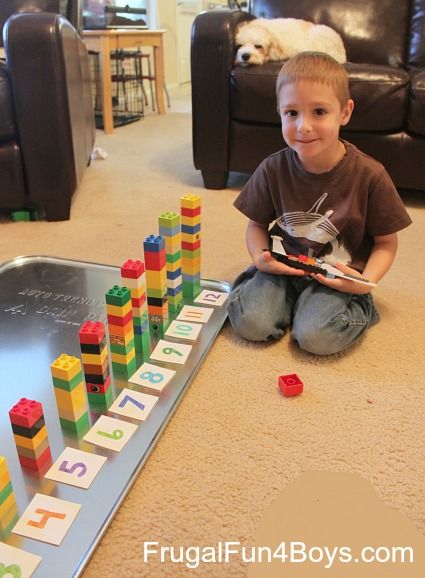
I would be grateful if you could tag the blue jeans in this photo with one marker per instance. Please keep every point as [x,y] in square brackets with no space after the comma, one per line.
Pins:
[324,321]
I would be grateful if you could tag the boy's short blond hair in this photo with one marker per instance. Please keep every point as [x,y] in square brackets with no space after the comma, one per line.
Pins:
[316,67]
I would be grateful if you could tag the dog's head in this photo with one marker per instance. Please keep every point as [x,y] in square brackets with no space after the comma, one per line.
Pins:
[253,43]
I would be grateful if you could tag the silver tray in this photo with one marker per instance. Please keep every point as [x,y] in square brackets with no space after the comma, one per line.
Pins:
[43,301]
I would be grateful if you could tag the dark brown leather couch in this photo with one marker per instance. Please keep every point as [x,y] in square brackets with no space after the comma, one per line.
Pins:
[46,114]
[235,123]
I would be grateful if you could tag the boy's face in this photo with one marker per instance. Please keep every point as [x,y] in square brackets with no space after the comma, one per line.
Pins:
[311,117]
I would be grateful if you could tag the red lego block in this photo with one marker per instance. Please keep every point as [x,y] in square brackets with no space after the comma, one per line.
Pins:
[36,464]
[100,388]
[118,320]
[185,212]
[91,332]
[191,246]
[132,269]
[26,412]
[155,261]
[138,301]
[290,385]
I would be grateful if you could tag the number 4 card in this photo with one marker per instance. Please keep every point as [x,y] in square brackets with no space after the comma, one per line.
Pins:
[76,468]
[47,519]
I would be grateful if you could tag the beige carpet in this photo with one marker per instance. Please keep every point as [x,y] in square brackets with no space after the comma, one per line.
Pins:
[235,444]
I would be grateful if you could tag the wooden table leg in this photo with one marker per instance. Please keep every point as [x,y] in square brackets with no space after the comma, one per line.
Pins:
[158,57]
[105,70]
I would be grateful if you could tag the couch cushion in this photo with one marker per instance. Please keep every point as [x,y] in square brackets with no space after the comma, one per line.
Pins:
[380,96]
[7,123]
[379,92]
[372,30]
[416,111]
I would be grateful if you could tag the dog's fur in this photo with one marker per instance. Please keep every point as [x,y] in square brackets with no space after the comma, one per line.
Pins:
[261,40]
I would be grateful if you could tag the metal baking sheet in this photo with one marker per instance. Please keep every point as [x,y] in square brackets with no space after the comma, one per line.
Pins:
[43,301]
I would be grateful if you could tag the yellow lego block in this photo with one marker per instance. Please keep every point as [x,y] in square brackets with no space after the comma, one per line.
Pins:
[157,279]
[34,453]
[191,221]
[31,443]
[124,359]
[4,480]
[191,237]
[190,201]
[8,504]
[95,358]
[171,267]
[73,405]
[65,367]
[117,310]
[138,292]
[3,466]
[74,398]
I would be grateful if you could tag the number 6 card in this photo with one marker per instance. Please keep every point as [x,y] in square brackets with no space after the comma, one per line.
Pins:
[110,433]
[76,468]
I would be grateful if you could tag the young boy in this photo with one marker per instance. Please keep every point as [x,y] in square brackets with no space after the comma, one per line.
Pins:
[328,200]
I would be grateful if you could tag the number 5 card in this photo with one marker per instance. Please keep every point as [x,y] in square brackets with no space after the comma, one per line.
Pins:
[76,468]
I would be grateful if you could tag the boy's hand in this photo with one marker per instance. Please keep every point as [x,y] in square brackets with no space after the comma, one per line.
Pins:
[266,263]
[343,285]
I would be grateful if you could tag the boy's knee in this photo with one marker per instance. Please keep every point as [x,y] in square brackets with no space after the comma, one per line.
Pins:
[251,326]
[317,340]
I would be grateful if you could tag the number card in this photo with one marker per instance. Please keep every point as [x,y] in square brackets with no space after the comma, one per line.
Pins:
[110,433]
[16,563]
[171,352]
[198,314]
[211,297]
[152,376]
[134,404]
[47,519]
[76,468]
[184,330]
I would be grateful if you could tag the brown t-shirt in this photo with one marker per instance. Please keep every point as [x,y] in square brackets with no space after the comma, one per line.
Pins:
[334,215]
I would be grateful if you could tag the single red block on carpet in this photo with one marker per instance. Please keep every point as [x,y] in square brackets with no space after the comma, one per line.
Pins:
[290,385]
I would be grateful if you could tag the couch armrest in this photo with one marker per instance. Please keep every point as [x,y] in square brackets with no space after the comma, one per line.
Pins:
[48,69]
[212,57]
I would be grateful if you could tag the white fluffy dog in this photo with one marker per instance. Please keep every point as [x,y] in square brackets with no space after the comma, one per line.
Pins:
[261,40]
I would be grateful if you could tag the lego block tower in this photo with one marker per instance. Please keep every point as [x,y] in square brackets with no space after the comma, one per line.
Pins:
[8,506]
[94,351]
[30,434]
[134,277]
[170,230]
[156,281]
[68,383]
[120,328]
[190,210]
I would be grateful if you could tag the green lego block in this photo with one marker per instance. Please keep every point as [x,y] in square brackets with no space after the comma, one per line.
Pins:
[191,254]
[128,369]
[143,344]
[5,492]
[20,216]
[100,400]
[118,296]
[169,220]
[173,257]
[68,385]
[5,530]
[80,427]
[122,349]
[191,290]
